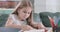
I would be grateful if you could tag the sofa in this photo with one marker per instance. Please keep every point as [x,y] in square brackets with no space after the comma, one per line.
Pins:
[4,17]
[38,17]
[4,13]
[46,21]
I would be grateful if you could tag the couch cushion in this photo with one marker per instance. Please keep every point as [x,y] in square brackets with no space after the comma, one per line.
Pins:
[45,19]
[36,17]
[3,19]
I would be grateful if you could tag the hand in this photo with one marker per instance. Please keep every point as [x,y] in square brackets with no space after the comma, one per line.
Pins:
[27,27]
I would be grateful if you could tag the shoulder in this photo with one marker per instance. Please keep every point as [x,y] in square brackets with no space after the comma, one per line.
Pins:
[10,18]
[9,21]
[11,15]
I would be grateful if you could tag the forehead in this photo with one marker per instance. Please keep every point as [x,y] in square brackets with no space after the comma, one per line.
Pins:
[26,9]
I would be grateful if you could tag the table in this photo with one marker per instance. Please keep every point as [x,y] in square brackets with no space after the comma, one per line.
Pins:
[4,29]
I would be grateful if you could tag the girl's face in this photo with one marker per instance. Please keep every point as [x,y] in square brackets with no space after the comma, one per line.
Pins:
[24,13]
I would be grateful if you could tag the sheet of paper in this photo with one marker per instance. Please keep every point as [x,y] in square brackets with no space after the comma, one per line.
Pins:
[40,30]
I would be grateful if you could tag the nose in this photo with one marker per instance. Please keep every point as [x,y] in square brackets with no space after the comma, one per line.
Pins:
[26,14]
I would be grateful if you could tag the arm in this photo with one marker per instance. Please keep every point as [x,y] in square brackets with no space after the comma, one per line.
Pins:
[9,23]
[23,27]
[37,25]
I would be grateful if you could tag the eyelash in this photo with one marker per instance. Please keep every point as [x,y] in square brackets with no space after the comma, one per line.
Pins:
[26,12]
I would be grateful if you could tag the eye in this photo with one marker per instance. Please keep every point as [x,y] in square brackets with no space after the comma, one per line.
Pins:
[24,11]
[28,12]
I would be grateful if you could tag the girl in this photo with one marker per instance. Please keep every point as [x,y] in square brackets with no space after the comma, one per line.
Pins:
[22,18]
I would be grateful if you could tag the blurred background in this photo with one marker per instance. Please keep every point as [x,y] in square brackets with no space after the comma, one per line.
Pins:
[47,6]
[39,5]
[7,6]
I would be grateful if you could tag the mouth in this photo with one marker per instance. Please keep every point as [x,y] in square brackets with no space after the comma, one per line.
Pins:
[24,17]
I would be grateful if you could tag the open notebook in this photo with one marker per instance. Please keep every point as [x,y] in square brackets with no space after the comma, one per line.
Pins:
[35,30]
[39,30]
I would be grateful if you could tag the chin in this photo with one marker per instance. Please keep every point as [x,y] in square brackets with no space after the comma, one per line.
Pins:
[23,19]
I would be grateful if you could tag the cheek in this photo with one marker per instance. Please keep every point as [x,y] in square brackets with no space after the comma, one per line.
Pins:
[28,15]
[21,14]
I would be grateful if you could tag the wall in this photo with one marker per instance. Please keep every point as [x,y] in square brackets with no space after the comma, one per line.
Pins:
[47,6]
[39,6]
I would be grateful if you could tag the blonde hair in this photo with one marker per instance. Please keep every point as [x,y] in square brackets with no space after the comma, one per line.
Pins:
[22,4]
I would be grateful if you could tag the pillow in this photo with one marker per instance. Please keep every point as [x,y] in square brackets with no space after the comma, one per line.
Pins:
[45,19]
[36,17]
[3,19]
